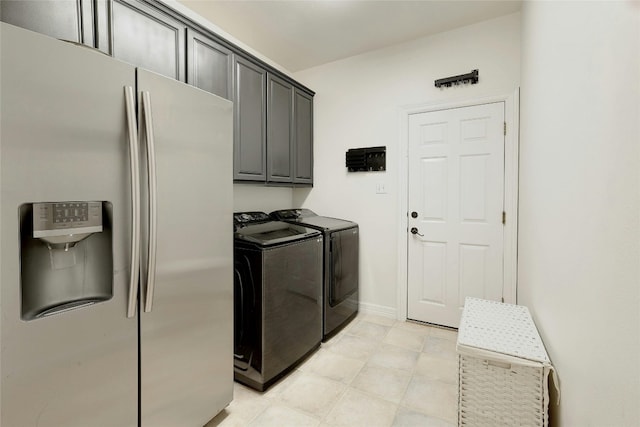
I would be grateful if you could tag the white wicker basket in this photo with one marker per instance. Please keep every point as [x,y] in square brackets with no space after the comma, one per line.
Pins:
[503,367]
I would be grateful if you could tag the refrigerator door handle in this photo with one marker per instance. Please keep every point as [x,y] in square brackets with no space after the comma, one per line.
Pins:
[135,199]
[153,229]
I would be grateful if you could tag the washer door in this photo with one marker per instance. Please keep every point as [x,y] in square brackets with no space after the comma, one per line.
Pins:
[343,259]
[245,312]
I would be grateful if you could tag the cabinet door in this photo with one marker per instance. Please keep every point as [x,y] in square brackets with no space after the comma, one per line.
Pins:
[279,130]
[249,149]
[66,20]
[303,123]
[209,65]
[143,36]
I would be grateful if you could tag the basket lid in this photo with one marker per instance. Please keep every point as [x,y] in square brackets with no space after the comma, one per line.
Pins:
[502,328]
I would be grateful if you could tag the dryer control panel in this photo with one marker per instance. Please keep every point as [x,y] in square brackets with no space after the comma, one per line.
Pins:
[292,214]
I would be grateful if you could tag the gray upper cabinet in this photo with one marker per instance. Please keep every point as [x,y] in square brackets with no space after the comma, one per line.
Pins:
[303,123]
[249,121]
[66,20]
[209,65]
[143,36]
[280,141]
[273,115]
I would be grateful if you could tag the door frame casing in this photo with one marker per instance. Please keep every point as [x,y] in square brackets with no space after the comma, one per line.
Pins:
[511,153]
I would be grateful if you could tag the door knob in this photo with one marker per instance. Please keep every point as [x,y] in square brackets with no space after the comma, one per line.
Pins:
[414,230]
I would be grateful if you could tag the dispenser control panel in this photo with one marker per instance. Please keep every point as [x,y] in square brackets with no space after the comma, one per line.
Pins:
[65,218]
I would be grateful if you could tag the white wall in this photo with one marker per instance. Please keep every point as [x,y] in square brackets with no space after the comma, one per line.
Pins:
[357,104]
[579,241]
[255,197]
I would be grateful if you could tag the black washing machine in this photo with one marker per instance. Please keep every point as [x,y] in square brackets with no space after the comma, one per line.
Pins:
[278,297]
[341,265]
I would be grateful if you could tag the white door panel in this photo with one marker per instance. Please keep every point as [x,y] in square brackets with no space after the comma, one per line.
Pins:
[456,189]
[434,176]
[434,271]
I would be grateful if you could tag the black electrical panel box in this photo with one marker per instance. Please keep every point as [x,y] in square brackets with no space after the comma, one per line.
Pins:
[369,159]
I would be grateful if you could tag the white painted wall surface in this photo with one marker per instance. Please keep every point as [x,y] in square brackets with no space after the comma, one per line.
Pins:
[579,242]
[251,197]
[357,104]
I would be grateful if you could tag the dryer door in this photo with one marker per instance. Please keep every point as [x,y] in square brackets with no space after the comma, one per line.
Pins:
[343,259]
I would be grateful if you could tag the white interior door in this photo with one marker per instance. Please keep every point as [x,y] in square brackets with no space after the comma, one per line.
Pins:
[456,203]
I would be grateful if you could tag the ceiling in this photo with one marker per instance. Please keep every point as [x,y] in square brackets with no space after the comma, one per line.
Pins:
[300,34]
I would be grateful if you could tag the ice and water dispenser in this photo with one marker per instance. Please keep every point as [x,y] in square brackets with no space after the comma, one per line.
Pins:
[66,257]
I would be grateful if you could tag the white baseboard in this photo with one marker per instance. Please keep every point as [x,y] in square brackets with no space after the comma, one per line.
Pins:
[378,310]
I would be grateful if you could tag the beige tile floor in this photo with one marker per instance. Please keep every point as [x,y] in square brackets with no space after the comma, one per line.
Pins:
[376,372]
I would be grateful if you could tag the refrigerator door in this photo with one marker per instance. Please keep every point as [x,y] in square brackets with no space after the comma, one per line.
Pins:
[187,336]
[64,138]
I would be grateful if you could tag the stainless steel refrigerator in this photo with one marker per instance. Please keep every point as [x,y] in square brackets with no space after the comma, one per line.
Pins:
[116,254]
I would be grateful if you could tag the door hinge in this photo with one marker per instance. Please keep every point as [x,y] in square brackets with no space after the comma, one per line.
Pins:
[504,217]
[505,128]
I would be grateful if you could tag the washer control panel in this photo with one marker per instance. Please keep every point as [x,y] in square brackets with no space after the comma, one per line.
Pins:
[242,219]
